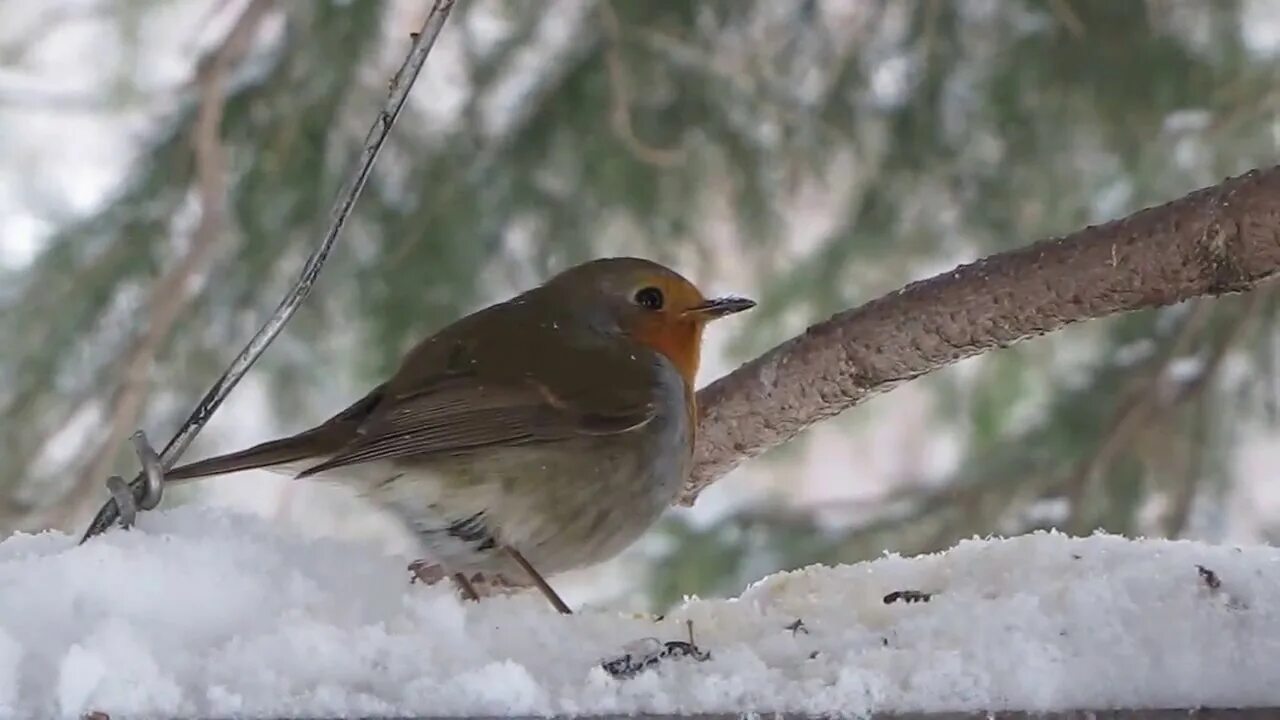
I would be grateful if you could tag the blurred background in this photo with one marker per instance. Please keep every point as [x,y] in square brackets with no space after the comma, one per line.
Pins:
[812,154]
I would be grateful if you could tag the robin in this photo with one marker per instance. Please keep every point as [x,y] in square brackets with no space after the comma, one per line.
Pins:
[544,433]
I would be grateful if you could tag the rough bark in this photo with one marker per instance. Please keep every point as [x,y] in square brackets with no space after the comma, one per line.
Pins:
[1220,239]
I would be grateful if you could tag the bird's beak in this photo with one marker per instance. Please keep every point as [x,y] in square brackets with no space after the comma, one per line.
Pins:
[720,307]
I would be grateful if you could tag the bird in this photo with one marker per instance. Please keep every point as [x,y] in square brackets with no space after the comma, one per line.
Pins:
[537,435]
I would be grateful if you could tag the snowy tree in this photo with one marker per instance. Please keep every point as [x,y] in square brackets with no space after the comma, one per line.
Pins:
[822,153]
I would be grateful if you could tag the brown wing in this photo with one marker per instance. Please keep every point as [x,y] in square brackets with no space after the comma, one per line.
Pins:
[503,376]
[515,382]
[334,432]
[463,414]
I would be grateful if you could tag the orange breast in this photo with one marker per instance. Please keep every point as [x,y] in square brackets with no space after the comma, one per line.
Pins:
[681,343]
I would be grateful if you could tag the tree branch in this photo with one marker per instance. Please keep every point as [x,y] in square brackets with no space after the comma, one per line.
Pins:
[1220,239]
[170,295]
[398,92]
[620,97]
[1138,403]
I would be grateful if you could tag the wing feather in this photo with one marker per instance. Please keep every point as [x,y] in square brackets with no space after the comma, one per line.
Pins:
[459,415]
[472,386]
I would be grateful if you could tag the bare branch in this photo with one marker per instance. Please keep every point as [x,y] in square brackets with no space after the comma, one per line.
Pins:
[1217,240]
[398,93]
[1062,11]
[620,95]
[170,296]
[1140,400]
[1179,513]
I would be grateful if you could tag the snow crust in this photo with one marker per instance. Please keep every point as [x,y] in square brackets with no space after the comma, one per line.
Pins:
[201,612]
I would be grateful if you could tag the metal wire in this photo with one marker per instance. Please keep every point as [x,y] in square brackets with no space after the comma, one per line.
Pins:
[145,490]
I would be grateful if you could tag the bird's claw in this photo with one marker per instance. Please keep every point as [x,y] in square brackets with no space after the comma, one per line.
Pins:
[473,587]
[427,573]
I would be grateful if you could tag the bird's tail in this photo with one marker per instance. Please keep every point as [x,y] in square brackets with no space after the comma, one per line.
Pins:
[289,451]
[296,452]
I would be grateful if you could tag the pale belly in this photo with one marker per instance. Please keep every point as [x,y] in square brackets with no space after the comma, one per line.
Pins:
[562,507]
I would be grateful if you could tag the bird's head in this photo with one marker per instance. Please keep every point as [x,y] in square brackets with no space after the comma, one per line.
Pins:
[652,304]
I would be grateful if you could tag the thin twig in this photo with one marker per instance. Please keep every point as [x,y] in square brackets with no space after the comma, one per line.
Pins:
[1062,10]
[400,85]
[1190,458]
[170,296]
[1141,400]
[620,94]
[1244,323]
[1241,324]
[685,57]
[948,498]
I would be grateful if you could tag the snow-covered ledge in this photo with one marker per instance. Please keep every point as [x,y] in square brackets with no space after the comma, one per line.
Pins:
[201,613]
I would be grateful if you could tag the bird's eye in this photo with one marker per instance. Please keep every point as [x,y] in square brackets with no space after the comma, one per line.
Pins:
[650,297]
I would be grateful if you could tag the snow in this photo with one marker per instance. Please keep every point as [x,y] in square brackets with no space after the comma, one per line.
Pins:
[204,612]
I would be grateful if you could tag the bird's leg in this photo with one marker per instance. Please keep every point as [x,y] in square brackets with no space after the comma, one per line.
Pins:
[425,572]
[430,573]
[546,589]
[465,587]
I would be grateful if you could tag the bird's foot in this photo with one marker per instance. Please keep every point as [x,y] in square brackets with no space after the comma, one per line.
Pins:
[489,585]
[425,572]
[471,586]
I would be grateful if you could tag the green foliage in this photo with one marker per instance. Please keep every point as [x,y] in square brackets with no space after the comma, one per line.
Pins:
[941,130]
